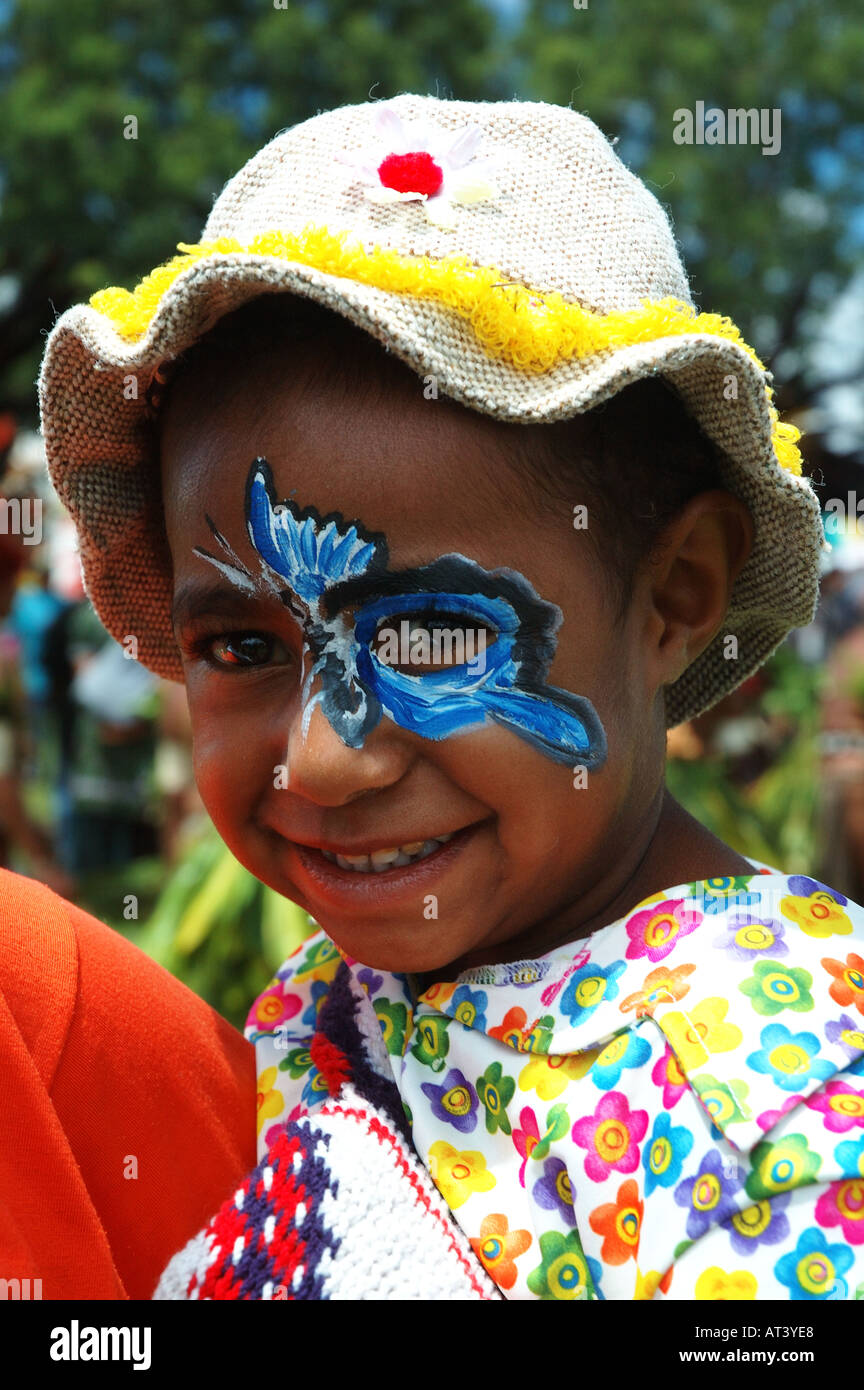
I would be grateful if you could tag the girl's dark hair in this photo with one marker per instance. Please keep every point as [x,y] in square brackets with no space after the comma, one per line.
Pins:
[632,461]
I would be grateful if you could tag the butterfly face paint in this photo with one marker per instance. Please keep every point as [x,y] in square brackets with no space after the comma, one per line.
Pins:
[319,566]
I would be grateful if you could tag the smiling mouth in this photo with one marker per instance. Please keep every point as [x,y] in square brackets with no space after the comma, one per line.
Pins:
[352,880]
[380,860]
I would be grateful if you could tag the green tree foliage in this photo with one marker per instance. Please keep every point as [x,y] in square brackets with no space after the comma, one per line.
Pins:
[769,240]
[81,206]
[776,816]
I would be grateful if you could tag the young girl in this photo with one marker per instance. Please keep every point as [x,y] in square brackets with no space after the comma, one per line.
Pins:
[435,607]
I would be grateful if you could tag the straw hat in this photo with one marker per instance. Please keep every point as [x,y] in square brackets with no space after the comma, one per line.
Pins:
[501,247]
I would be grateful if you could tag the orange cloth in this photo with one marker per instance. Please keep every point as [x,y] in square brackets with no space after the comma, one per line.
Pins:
[105,1058]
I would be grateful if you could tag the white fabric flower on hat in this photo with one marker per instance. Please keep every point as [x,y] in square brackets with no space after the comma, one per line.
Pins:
[415,163]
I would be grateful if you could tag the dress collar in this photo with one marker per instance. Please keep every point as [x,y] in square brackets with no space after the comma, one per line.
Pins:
[674,957]
[581,994]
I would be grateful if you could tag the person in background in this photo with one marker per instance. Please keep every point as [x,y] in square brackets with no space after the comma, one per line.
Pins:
[35,607]
[18,830]
[108,721]
[841,778]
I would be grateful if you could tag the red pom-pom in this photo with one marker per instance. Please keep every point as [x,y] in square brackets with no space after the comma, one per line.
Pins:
[411,173]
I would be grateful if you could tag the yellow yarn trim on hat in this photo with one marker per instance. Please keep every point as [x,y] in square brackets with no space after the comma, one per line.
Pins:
[533,331]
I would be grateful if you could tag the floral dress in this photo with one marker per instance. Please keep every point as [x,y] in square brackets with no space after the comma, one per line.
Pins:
[672,1108]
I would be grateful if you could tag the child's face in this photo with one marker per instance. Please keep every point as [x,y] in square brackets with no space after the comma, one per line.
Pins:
[537,844]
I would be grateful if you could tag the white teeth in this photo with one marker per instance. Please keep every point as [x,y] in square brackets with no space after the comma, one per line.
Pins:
[352,861]
[382,859]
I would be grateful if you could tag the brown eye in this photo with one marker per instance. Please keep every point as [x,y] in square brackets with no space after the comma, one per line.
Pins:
[419,643]
[244,649]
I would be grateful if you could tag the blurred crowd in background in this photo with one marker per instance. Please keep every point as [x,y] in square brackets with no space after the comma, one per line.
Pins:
[95,763]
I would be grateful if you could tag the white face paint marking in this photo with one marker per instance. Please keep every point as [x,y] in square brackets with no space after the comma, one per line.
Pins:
[266,574]
[241,578]
[268,583]
[342,644]
[308,703]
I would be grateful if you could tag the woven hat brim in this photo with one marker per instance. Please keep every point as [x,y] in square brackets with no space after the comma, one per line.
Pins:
[103,464]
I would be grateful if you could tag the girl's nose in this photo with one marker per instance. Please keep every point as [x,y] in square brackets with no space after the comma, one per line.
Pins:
[324,769]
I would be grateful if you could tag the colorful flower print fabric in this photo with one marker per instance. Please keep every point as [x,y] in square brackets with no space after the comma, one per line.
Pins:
[671,1109]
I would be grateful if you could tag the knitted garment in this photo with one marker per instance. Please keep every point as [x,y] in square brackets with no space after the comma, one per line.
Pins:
[339,1206]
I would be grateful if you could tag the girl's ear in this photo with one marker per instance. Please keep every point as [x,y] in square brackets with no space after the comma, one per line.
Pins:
[690,577]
